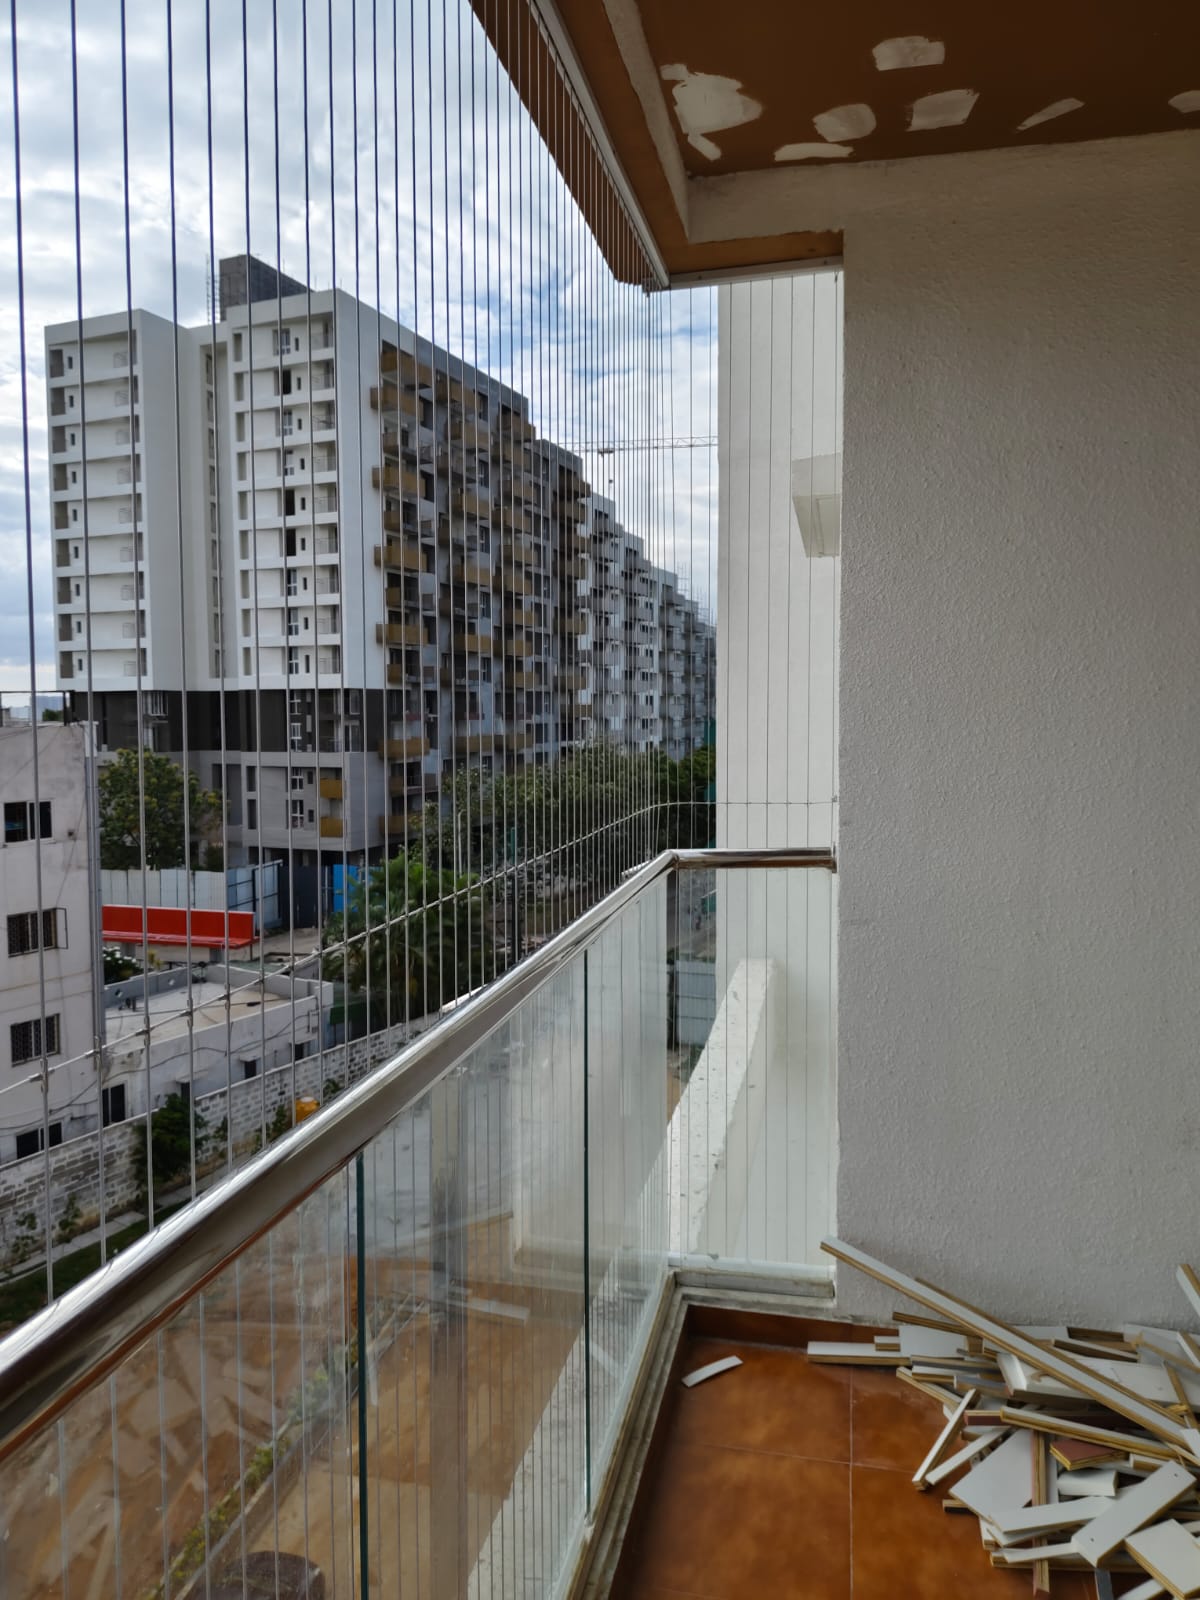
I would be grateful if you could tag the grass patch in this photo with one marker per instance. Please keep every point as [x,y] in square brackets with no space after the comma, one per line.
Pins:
[21,1298]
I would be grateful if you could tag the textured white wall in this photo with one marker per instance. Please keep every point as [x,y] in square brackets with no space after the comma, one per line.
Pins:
[1019,940]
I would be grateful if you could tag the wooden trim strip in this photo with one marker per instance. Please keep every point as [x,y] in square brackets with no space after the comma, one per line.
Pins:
[1184,1441]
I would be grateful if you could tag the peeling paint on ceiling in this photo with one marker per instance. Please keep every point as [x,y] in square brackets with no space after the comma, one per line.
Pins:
[707,103]
[1059,108]
[845,122]
[813,152]
[945,110]
[913,50]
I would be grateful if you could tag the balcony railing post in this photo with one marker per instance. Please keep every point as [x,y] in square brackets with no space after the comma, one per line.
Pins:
[449,1562]
[587,1268]
[364,1498]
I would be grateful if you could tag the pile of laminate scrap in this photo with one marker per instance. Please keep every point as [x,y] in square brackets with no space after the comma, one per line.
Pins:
[1078,1449]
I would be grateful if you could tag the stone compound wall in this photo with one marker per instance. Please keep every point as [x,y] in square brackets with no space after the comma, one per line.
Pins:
[74,1167]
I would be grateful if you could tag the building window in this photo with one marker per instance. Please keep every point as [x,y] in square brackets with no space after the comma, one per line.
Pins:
[23,931]
[297,780]
[26,819]
[298,812]
[112,1104]
[33,1140]
[26,1039]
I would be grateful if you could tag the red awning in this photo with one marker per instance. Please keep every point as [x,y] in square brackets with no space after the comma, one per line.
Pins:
[210,930]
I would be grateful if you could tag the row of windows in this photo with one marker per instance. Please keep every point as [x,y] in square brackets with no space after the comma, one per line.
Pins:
[25,1039]
[23,931]
[33,1141]
[27,819]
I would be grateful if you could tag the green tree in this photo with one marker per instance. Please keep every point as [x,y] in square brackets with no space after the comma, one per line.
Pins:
[419,935]
[121,784]
[171,1131]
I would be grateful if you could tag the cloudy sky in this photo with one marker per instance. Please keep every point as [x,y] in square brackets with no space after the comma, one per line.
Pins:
[376,144]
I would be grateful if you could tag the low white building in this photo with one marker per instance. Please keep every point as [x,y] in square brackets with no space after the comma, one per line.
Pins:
[46,995]
[227,1026]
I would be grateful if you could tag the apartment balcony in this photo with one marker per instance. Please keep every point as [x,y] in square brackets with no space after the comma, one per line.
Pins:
[512,517]
[396,555]
[401,633]
[535,1344]
[331,788]
[400,480]
[469,503]
[395,825]
[478,572]
[471,435]
[330,827]
[403,749]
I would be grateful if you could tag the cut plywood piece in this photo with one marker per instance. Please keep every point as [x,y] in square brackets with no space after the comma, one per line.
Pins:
[712,1370]
[1027,1555]
[851,1355]
[1031,1522]
[1002,1483]
[1170,1555]
[960,1458]
[1050,1362]
[1187,1280]
[1088,1481]
[1073,1454]
[1150,1590]
[1133,1510]
[1067,1427]
[944,1439]
[929,1344]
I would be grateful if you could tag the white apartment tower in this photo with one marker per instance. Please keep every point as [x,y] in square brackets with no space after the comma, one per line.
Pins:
[350,548]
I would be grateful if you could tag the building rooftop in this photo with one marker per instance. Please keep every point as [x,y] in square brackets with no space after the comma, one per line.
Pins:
[169,1008]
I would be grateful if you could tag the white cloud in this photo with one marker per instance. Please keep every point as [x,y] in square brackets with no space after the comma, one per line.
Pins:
[507,275]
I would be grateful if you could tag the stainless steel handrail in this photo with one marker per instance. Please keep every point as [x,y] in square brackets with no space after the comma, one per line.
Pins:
[56,1355]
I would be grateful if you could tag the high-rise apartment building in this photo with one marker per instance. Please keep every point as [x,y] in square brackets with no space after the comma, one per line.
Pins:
[354,552]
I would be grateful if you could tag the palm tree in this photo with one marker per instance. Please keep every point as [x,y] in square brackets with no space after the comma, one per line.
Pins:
[412,935]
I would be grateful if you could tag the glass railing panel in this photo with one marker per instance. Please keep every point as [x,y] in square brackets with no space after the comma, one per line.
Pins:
[753,1002]
[473,1261]
[627,1126]
[216,1456]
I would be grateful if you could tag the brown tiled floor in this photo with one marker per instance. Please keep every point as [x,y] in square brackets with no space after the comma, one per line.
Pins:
[784,1479]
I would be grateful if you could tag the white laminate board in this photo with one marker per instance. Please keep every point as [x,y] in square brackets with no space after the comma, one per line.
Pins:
[1087,1481]
[1133,1510]
[927,1344]
[1150,1590]
[944,1439]
[992,1331]
[1169,1554]
[1029,1522]
[712,1370]
[950,1466]
[1002,1482]
[1027,1555]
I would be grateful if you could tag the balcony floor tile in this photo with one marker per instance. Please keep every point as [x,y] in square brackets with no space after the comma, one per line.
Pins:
[785,1479]
[772,1407]
[715,1529]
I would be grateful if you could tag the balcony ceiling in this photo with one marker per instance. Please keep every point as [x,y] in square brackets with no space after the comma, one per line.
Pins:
[693,91]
